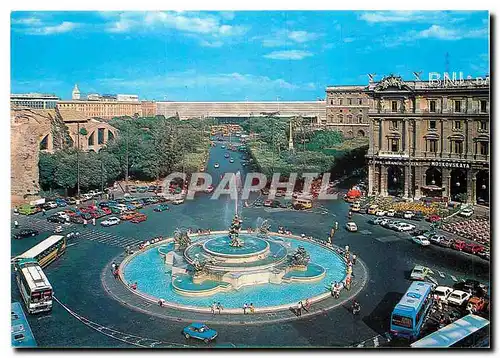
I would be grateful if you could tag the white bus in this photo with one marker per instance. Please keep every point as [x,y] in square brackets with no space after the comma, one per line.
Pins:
[46,251]
[33,285]
[468,331]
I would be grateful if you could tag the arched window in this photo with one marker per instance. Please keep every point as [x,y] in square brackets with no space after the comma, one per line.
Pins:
[361,133]
[341,118]
[44,144]
[111,136]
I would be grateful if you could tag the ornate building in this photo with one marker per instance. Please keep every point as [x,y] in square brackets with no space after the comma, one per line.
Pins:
[429,138]
[347,110]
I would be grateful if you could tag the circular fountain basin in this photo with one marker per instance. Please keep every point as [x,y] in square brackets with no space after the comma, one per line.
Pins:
[160,281]
[219,246]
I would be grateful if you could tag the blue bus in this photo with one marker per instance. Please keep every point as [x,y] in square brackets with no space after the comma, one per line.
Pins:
[21,334]
[409,314]
[469,331]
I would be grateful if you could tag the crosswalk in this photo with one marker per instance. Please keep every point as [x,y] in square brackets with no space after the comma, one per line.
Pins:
[108,238]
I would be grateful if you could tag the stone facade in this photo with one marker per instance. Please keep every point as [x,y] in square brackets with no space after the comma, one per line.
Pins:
[148,108]
[102,109]
[347,110]
[429,140]
[33,131]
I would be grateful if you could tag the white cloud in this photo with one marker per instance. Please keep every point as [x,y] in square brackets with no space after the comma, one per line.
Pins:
[214,44]
[394,16]
[63,27]
[288,55]
[287,38]
[192,79]
[349,39]
[227,15]
[27,21]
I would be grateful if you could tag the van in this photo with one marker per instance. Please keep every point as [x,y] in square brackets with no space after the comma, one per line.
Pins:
[372,209]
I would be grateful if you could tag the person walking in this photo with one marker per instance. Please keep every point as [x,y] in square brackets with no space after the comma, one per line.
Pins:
[84,222]
[93,221]
[16,224]
[299,309]
[252,308]
[245,307]
[44,212]
[213,307]
[336,225]
[219,307]
[354,259]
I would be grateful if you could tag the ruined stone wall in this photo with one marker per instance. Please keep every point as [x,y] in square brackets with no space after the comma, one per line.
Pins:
[28,127]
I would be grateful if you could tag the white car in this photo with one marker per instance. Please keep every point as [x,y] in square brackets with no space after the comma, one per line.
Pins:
[63,215]
[177,201]
[467,212]
[110,221]
[51,204]
[87,196]
[404,227]
[383,221]
[458,298]
[351,226]
[408,214]
[443,292]
[391,213]
[421,240]
[380,212]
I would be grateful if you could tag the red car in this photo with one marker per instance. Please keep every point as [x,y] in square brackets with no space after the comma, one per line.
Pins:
[433,218]
[459,245]
[473,248]
[83,210]
[106,211]
[138,218]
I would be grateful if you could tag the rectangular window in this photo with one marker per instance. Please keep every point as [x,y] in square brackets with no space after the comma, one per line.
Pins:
[483,125]
[394,124]
[458,147]
[483,148]
[394,145]
[360,101]
[432,145]
[457,124]
[432,106]
[394,106]
[331,102]
[349,101]
[341,101]
[458,106]
[402,321]
[483,106]
[432,124]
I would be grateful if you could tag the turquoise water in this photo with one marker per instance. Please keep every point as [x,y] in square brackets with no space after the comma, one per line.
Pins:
[220,244]
[154,279]
[312,271]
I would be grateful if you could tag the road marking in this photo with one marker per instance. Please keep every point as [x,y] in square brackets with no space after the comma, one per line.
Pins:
[453,278]
[441,274]
[375,341]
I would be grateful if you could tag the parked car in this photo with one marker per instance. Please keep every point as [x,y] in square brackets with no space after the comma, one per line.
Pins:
[138,218]
[25,233]
[71,201]
[421,240]
[436,239]
[177,201]
[110,221]
[61,202]
[433,218]
[161,207]
[56,219]
[404,227]
[459,245]
[467,212]
[420,273]
[380,212]
[199,331]
[128,215]
[372,210]
[63,215]
[351,226]
[473,248]
[443,292]
[391,213]
[76,219]
[474,287]
[50,205]
[458,298]
[408,214]
[446,242]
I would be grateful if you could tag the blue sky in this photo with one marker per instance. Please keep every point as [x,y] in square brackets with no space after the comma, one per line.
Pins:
[208,56]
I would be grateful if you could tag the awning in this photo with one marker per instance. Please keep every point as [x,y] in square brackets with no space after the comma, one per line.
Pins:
[433,187]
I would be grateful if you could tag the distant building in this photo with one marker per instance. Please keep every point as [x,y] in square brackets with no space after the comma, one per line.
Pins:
[104,109]
[148,108]
[34,100]
[127,97]
[347,110]
[93,97]
[75,94]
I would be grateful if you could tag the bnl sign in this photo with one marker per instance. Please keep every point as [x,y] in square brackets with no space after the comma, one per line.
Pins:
[455,79]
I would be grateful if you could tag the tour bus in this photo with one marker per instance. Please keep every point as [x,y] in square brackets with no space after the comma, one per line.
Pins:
[409,314]
[46,251]
[33,285]
[372,209]
[468,331]
[302,203]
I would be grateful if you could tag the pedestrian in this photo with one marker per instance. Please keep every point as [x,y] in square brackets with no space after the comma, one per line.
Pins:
[93,221]
[213,307]
[113,267]
[252,308]
[348,281]
[160,303]
[43,212]
[16,224]
[219,307]
[84,222]
[347,248]
[245,307]
[336,225]
[354,259]
[304,307]
[299,309]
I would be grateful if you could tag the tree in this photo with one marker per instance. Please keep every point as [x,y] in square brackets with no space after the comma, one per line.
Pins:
[65,175]
[47,165]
